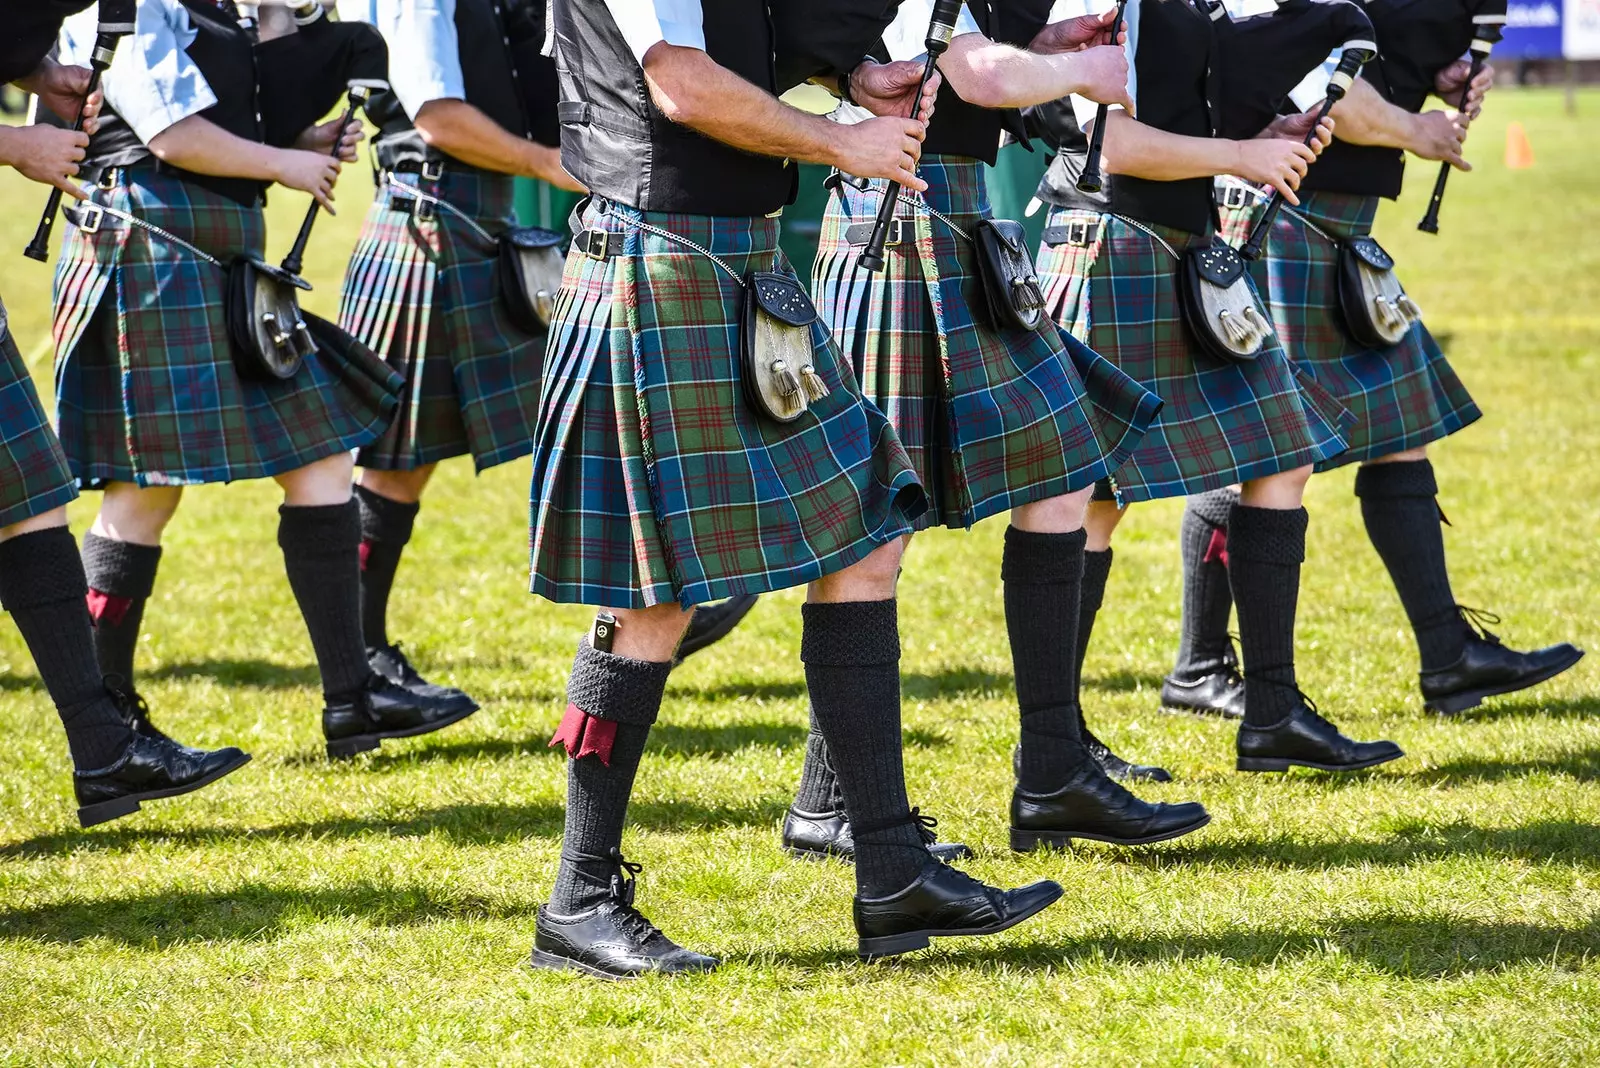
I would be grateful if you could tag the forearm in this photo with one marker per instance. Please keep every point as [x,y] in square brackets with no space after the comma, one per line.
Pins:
[694,90]
[11,146]
[461,131]
[34,80]
[992,75]
[1364,117]
[1141,151]
[199,145]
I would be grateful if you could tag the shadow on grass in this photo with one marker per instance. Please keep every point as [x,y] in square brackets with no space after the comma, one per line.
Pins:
[1529,703]
[234,671]
[1582,764]
[1416,947]
[1122,682]
[947,682]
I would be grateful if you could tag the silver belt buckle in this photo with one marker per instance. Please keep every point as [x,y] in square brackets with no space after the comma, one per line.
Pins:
[600,238]
[1235,196]
[92,215]
[108,179]
[896,232]
[1078,232]
[432,170]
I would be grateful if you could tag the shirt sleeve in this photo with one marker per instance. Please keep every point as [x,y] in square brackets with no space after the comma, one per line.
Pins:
[1313,88]
[424,54]
[646,23]
[152,83]
[907,35]
[1086,110]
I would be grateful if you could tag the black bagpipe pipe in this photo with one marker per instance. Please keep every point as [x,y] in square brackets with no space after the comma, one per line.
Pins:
[1354,55]
[1487,27]
[116,21]
[1090,179]
[941,27]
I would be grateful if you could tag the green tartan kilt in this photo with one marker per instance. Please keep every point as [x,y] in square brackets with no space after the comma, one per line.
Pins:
[992,417]
[1403,396]
[34,477]
[420,290]
[653,480]
[146,389]
[1223,421]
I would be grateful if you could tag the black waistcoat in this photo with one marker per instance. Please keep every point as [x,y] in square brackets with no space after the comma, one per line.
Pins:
[1416,40]
[962,129]
[224,51]
[618,143]
[1179,89]
[498,43]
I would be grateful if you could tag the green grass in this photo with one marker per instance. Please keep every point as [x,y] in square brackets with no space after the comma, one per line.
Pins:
[1443,910]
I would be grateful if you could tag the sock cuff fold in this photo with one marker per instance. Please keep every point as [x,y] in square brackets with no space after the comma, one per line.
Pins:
[383,519]
[1412,478]
[120,568]
[850,634]
[40,567]
[1268,535]
[618,688]
[1212,507]
[1034,558]
[320,526]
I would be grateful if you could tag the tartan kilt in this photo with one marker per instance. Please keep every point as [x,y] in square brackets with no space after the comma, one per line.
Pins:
[421,292]
[1402,396]
[992,418]
[146,390]
[653,481]
[33,470]
[1223,422]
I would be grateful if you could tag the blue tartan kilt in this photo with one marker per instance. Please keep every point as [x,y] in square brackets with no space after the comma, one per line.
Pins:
[33,470]
[653,480]
[993,417]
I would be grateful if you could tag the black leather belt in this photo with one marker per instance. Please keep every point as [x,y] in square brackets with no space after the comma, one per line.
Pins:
[597,244]
[1078,233]
[901,231]
[1234,196]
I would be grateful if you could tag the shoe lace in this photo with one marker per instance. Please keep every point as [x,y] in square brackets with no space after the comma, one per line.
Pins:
[408,673]
[1264,675]
[1230,661]
[925,826]
[134,708]
[620,884]
[1480,620]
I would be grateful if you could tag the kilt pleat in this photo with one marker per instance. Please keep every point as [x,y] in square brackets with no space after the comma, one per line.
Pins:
[1403,396]
[145,383]
[34,477]
[653,481]
[422,293]
[1223,422]
[993,418]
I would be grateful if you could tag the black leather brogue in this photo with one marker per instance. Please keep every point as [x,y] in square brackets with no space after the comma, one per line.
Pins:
[390,662]
[821,835]
[150,768]
[1090,805]
[1120,769]
[944,903]
[711,623]
[384,710]
[1215,693]
[1488,668]
[1304,739]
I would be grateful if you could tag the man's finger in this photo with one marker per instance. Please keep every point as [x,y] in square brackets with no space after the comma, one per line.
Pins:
[67,186]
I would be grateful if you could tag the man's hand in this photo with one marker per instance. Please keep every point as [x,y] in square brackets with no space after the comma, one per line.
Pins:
[887,88]
[1274,161]
[319,138]
[45,154]
[1438,135]
[61,90]
[1102,75]
[1074,35]
[882,148]
[1295,128]
[1450,81]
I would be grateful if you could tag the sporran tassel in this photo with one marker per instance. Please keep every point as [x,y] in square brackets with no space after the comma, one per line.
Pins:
[788,385]
[1409,307]
[1029,296]
[816,388]
[1235,330]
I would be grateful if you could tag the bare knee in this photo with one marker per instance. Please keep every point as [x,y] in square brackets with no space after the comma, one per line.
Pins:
[55,517]
[137,514]
[1057,515]
[650,633]
[870,579]
[324,482]
[1282,491]
[1404,456]
[1099,523]
[403,486]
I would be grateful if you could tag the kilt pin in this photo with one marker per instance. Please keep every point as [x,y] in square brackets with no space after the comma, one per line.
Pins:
[992,417]
[34,477]
[1402,396]
[420,290]
[1222,422]
[146,387]
[653,481]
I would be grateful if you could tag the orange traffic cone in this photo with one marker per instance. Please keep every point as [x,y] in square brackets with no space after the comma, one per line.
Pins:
[1519,153]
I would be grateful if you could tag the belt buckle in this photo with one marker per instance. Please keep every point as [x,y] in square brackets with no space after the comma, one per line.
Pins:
[1078,232]
[597,244]
[432,170]
[1235,196]
[896,233]
[107,180]
[422,209]
[91,216]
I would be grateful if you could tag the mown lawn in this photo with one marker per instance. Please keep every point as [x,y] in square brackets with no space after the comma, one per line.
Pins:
[1443,910]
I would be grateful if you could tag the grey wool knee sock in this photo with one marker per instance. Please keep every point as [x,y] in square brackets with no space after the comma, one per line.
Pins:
[611,703]
[818,791]
[1400,507]
[1207,596]
[386,527]
[1043,579]
[120,577]
[852,659]
[42,586]
[1266,547]
[321,547]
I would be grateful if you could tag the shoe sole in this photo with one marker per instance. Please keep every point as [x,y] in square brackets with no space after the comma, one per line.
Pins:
[554,963]
[106,811]
[1205,712]
[821,856]
[345,748]
[1460,702]
[720,631]
[869,949]
[1281,764]
[1029,841]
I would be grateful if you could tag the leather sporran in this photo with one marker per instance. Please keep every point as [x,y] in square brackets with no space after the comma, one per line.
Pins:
[1377,312]
[267,335]
[528,267]
[779,378]
[1015,297]
[1220,307]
